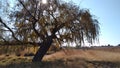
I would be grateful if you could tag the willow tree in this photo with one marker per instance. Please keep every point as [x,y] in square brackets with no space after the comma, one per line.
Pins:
[55,20]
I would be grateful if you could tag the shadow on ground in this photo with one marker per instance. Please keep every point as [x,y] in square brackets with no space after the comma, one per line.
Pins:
[68,63]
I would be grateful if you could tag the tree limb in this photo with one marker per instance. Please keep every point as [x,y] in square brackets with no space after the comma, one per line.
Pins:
[9,30]
[33,22]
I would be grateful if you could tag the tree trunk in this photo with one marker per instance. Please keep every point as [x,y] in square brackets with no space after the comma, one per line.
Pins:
[42,50]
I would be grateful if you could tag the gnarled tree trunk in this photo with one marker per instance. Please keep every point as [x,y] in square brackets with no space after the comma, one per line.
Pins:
[42,50]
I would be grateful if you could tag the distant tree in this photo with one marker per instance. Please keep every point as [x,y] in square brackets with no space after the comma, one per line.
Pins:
[118,45]
[41,24]
[109,45]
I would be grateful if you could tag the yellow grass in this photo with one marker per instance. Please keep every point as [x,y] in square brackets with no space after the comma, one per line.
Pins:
[90,55]
[6,60]
[68,58]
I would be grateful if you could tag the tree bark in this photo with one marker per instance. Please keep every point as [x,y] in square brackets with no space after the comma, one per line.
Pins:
[42,50]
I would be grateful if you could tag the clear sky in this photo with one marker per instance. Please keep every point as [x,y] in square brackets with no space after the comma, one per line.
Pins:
[108,14]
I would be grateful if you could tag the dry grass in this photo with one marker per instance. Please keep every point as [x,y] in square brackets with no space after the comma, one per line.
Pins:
[109,49]
[70,58]
[14,49]
[90,55]
[6,60]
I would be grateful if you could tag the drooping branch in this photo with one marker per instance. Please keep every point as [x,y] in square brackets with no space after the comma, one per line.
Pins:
[1,21]
[13,35]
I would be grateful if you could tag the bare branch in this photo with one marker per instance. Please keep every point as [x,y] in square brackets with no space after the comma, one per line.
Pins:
[9,30]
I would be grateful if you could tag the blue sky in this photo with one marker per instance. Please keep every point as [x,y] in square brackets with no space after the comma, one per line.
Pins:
[108,14]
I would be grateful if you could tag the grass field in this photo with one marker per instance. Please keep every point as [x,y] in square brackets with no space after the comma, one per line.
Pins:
[68,58]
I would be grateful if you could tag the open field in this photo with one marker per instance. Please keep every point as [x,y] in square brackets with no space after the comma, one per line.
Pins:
[67,58]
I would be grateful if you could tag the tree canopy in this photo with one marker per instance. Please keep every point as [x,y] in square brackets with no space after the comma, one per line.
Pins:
[55,20]
[36,21]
